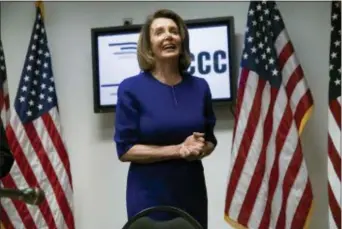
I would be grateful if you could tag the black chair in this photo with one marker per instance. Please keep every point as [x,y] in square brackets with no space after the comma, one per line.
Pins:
[182,220]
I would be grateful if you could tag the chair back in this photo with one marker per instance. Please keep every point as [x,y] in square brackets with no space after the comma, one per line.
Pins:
[182,219]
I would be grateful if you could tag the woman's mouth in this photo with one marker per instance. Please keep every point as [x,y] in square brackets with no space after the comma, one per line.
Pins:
[169,47]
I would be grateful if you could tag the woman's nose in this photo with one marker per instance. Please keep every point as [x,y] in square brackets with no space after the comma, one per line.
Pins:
[168,35]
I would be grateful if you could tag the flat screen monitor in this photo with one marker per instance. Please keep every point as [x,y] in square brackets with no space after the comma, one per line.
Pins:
[114,52]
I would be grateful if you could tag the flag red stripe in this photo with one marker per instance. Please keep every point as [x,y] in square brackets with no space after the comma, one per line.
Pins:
[334,207]
[240,95]
[303,208]
[303,106]
[4,105]
[22,209]
[27,172]
[289,179]
[295,77]
[334,157]
[246,141]
[258,175]
[49,171]
[58,143]
[282,132]
[4,99]
[335,109]
[5,221]
[284,55]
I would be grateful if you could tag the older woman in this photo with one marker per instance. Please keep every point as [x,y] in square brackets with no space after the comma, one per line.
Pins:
[164,122]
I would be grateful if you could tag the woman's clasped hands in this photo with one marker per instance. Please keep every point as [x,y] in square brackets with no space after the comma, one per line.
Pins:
[193,147]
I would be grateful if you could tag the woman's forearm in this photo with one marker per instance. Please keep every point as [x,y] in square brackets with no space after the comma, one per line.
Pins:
[150,153]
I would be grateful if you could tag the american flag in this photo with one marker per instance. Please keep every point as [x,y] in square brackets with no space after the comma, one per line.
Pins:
[34,135]
[268,185]
[334,119]
[4,96]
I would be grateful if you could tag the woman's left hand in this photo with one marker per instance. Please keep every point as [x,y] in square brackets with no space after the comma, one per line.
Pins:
[197,148]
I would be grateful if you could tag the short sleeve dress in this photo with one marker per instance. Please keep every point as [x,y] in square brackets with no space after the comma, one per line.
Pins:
[152,113]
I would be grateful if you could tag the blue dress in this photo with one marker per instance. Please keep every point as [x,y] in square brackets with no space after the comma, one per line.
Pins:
[152,113]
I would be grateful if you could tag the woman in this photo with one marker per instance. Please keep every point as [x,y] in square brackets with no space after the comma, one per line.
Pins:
[164,122]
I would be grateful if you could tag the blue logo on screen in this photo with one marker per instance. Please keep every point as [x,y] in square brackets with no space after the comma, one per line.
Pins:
[124,48]
[206,62]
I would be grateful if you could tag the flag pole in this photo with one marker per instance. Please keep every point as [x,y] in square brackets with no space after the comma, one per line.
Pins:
[40,4]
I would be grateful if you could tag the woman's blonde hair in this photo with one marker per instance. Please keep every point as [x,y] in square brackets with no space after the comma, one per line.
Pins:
[145,56]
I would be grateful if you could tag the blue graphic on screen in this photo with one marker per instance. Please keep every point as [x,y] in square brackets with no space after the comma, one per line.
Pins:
[125,48]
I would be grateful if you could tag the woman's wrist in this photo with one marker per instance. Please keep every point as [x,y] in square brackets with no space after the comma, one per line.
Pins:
[176,153]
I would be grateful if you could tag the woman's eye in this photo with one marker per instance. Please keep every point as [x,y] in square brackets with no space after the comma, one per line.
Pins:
[158,32]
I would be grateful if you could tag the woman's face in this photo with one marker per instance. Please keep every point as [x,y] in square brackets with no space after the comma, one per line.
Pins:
[165,39]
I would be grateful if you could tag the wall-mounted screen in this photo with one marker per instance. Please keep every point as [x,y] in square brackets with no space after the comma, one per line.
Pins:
[115,58]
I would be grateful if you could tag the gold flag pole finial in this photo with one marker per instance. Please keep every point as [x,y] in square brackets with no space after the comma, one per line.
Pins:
[40,5]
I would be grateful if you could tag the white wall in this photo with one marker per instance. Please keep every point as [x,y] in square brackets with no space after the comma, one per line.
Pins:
[99,178]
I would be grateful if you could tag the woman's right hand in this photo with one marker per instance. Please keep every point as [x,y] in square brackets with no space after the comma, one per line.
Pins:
[192,147]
